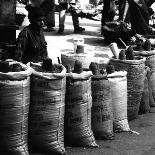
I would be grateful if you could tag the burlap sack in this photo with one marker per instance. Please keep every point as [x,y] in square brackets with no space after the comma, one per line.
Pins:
[46,116]
[102,114]
[14,108]
[78,110]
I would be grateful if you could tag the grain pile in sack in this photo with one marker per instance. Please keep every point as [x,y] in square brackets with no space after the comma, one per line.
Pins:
[14,107]
[118,84]
[135,67]
[145,100]
[78,109]
[46,116]
[102,115]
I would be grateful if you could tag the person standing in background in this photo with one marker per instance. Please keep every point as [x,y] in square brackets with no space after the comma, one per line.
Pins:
[63,7]
[49,8]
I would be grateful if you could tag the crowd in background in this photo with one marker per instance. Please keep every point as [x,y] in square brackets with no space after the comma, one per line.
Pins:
[135,12]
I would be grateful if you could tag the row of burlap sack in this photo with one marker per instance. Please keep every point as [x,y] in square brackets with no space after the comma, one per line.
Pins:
[109,105]
[140,82]
[69,108]
[33,123]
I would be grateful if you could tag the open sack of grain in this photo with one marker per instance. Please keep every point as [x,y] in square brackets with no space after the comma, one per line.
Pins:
[47,107]
[78,101]
[14,107]
[135,67]
[102,114]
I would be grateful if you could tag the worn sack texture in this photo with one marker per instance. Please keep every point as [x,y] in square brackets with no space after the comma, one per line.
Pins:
[46,116]
[78,113]
[118,84]
[150,62]
[145,100]
[135,83]
[102,114]
[14,108]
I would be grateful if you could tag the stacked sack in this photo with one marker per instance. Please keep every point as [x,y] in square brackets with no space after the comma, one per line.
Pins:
[14,107]
[78,107]
[102,114]
[135,67]
[46,116]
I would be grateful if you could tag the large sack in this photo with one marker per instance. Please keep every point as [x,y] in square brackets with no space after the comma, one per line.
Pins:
[135,82]
[102,114]
[78,110]
[14,108]
[118,83]
[46,116]
[150,62]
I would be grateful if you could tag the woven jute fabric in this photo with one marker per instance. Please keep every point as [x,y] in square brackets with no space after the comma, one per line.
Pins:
[70,58]
[78,111]
[118,84]
[145,100]
[135,82]
[14,108]
[46,116]
[150,62]
[102,114]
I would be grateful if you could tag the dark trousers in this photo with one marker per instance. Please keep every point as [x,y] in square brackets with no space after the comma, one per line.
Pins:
[49,8]
[62,16]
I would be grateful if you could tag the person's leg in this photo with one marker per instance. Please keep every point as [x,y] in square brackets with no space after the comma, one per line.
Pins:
[75,20]
[49,8]
[62,16]
[50,19]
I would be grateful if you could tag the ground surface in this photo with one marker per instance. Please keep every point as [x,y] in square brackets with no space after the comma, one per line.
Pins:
[124,143]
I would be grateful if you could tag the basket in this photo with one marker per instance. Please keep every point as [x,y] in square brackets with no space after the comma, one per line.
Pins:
[14,108]
[70,58]
[135,82]
[102,115]
[78,110]
[46,116]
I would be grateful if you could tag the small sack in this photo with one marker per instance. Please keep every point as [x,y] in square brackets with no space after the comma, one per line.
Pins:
[46,116]
[102,115]
[78,110]
[14,108]
[118,82]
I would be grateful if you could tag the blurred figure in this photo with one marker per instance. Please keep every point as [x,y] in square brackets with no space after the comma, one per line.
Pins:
[49,8]
[123,7]
[140,14]
[109,11]
[63,7]
[31,44]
